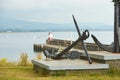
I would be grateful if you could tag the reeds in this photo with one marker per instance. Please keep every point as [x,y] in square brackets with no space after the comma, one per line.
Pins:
[23,59]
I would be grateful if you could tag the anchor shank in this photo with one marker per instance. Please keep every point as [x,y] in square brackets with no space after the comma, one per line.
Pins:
[82,42]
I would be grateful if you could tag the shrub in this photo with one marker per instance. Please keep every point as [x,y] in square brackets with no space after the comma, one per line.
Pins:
[23,59]
[3,61]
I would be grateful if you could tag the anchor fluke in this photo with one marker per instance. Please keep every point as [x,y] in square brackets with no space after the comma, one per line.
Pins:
[109,48]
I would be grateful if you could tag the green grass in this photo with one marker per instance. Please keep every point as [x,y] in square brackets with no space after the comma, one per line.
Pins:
[27,73]
[14,71]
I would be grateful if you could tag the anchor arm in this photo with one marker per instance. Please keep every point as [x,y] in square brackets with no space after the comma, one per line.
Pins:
[84,36]
[102,46]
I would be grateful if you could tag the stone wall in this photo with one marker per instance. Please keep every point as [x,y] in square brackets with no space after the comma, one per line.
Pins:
[37,48]
[65,43]
[114,63]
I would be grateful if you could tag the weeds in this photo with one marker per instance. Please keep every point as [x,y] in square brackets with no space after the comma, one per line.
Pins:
[23,59]
[25,72]
[4,62]
[60,73]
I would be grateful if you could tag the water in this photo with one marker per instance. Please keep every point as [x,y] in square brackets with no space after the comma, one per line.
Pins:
[13,44]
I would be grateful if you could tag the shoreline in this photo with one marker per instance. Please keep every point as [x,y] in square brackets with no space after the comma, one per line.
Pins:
[49,31]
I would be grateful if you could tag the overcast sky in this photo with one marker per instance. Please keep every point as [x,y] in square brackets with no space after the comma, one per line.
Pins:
[58,11]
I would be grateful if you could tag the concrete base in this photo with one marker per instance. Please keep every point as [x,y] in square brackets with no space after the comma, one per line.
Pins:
[66,66]
[101,55]
[100,59]
[69,65]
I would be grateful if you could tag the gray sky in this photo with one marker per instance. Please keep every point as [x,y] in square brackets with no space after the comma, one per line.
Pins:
[58,11]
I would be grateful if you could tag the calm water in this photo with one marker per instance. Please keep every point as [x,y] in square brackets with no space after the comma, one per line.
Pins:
[13,44]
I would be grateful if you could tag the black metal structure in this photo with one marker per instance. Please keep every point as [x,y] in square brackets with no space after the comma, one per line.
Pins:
[109,48]
[65,53]
[82,42]
[115,46]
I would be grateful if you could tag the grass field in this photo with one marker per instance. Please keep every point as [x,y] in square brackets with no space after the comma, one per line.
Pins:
[14,71]
[27,73]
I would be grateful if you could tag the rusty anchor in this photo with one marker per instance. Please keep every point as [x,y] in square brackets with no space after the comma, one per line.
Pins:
[70,54]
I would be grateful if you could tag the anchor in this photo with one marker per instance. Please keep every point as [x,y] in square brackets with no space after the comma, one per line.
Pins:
[115,46]
[66,53]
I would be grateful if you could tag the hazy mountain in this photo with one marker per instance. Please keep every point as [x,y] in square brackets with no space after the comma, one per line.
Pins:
[7,25]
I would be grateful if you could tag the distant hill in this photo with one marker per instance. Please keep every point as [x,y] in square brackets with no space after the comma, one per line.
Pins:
[11,25]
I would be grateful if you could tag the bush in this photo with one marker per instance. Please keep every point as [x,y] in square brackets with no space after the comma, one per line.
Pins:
[23,59]
[4,62]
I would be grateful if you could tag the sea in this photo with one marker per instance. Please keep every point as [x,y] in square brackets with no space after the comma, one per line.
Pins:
[12,44]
